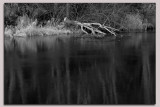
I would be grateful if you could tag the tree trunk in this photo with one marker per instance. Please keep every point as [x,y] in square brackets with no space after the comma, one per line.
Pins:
[67,10]
[55,9]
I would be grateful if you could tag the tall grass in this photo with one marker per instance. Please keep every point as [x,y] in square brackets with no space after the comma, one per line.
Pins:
[28,27]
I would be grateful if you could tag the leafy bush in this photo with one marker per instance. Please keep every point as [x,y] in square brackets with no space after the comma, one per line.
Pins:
[133,22]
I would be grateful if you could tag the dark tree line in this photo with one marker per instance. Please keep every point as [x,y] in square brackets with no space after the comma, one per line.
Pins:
[110,13]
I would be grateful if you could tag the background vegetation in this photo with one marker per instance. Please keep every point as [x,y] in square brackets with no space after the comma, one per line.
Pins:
[124,16]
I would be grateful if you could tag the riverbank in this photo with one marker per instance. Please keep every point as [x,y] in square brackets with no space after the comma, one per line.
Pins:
[31,30]
[27,27]
[28,19]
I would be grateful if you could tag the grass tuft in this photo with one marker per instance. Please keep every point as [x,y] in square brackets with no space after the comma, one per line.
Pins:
[28,27]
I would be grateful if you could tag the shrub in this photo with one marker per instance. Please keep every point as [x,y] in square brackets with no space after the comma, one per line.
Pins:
[133,22]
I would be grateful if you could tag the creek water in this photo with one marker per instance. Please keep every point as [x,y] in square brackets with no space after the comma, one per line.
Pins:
[69,70]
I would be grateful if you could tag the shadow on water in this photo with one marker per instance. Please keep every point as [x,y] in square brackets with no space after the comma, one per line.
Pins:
[61,70]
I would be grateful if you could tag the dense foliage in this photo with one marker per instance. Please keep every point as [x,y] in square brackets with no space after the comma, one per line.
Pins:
[127,16]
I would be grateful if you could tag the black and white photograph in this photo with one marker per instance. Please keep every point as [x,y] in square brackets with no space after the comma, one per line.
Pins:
[79,53]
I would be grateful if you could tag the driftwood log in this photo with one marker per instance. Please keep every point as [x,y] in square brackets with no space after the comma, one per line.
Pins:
[93,28]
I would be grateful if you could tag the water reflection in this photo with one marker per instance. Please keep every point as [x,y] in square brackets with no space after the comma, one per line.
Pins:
[61,70]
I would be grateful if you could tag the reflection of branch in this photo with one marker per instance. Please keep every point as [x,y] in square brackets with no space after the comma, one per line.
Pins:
[105,99]
[58,86]
[113,73]
[67,73]
[22,89]
[112,79]
[79,87]
[146,78]
[11,86]
[68,82]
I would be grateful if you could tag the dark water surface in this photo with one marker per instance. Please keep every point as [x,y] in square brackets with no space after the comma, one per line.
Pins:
[67,70]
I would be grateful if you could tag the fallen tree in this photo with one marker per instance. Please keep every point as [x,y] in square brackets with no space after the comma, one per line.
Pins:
[93,28]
